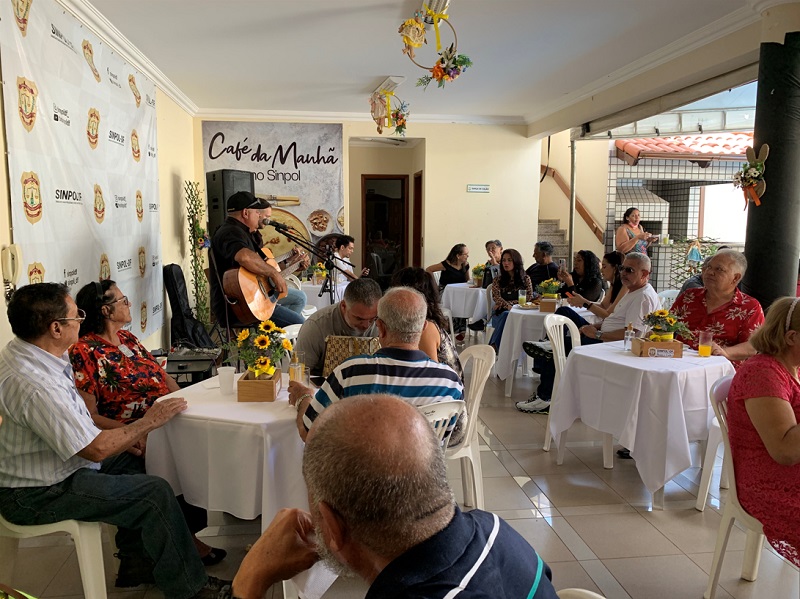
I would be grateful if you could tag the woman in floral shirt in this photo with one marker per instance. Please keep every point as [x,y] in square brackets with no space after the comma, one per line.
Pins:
[119,380]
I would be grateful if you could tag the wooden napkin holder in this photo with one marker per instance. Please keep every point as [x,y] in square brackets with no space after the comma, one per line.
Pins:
[548,305]
[250,389]
[656,349]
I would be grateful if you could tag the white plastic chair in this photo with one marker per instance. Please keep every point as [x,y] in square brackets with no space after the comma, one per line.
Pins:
[668,298]
[292,331]
[88,546]
[554,325]
[578,594]
[308,311]
[710,457]
[293,281]
[449,316]
[489,313]
[733,509]
[468,452]
[436,276]
[443,416]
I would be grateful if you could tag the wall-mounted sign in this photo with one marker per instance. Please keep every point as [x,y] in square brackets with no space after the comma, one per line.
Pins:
[477,189]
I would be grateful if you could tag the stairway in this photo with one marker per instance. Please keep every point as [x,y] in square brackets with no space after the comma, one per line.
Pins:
[550,230]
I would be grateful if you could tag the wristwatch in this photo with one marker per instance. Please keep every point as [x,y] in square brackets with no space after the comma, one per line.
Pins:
[599,335]
[586,305]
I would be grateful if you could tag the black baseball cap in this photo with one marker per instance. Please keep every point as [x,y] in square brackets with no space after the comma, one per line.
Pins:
[244,199]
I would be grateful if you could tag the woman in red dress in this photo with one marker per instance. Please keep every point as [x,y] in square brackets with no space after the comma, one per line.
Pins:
[763,412]
[119,380]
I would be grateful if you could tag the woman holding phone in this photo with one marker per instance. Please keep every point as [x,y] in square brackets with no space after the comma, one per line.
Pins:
[585,279]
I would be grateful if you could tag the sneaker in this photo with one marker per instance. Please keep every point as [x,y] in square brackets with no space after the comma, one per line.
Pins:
[535,405]
[215,588]
[478,325]
[538,349]
[460,338]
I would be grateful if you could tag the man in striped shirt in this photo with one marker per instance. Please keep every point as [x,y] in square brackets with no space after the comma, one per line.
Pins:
[398,368]
[381,508]
[55,464]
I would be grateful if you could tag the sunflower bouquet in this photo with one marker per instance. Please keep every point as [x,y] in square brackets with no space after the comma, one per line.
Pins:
[548,287]
[664,322]
[260,348]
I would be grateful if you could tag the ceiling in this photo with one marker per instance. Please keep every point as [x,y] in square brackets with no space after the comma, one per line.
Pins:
[324,57]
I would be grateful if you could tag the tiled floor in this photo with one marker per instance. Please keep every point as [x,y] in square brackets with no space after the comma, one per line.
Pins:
[594,527]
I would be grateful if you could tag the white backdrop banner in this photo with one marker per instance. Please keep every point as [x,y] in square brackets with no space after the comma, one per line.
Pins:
[298,162]
[82,164]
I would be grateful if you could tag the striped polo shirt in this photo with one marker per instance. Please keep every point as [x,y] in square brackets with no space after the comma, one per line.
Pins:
[406,373]
[45,421]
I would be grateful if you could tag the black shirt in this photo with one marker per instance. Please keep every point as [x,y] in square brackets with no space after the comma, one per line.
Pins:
[231,237]
[541,272]
[452,275]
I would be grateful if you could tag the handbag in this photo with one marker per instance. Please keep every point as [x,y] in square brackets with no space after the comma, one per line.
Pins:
[340,347]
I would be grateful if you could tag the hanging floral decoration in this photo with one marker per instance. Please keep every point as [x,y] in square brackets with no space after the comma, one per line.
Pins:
[450,64]
[385,116]
[751,178]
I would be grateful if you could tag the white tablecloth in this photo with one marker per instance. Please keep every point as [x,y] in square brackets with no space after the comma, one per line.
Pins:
[654,406]
[312,293]
[240,458]
[465,301]
[523,325]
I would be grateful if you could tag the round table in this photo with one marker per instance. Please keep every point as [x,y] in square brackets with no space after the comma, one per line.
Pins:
[465,301]
[314,299]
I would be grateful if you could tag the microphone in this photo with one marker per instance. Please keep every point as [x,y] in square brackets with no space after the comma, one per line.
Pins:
[279,226]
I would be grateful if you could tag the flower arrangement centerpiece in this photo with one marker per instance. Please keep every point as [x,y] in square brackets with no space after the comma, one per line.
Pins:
[260,348]
[664,324]
[318,272]
[549,288]
[477,274]
[751,178]
[448,68]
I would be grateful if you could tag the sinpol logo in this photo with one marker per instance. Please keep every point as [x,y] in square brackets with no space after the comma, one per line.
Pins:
[117,138]
[68,196]
[153,206]
[120,201]
[112,77]
[61,115]
[57,35]
[151,151]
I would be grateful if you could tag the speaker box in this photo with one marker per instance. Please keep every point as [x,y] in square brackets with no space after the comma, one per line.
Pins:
[220,185]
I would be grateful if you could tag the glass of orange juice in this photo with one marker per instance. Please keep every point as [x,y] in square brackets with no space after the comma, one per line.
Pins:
[704,344]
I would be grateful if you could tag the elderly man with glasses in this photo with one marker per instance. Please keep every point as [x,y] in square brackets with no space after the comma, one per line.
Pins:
[55,464]
[640,300]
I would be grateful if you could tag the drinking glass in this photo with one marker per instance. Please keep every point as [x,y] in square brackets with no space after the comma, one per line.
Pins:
[522,297]
[704,344]
[296,372]
[301,356]
[226,379]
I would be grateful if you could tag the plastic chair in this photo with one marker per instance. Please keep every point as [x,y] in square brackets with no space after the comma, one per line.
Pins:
[554,326]
[468,452]
[709,458]
[733,509]
[668,298]
[88,546]
[489,311]
[578,594]
[436,276]
[443,416]
[293,281]
[449,316]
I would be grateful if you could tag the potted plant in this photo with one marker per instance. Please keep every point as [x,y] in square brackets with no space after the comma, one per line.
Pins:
[318,273]
[549,288]
[260,349]
[664,324]
[477,274]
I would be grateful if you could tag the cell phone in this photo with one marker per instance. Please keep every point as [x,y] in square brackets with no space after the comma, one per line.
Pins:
[570,294]
[562,264]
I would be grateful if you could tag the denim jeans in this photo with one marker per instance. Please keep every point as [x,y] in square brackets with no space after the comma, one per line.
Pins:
[283,316]
[295,300]
[143,507]
[499,323]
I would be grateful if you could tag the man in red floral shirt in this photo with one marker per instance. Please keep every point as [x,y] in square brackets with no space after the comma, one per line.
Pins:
[721,308]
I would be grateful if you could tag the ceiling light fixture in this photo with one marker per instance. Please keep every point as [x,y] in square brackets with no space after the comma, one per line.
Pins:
[436,7]
[389,84]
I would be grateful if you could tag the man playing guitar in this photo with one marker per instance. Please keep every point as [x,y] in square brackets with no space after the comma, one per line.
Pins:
[234,246]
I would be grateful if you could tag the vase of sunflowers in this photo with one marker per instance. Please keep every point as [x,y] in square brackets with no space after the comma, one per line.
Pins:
[318,273]
[663,326]
[260,349]
[477,274]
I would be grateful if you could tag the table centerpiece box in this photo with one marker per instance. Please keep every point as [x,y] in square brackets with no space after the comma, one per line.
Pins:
[548,304]
[645,348]
[251,389]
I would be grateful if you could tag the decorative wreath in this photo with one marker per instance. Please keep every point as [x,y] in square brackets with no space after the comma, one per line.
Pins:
[450,64]
[751,178]
[384,115]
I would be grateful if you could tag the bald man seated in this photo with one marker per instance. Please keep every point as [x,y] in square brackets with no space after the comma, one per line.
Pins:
[382,510]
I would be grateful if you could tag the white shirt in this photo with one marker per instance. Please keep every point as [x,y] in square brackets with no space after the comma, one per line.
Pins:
[632,309]
[45,420]
[340,276]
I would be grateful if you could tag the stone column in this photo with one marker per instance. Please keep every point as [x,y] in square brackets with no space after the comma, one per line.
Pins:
[772,244]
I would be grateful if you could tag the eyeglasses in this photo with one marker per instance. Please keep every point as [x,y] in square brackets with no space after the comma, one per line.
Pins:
[124,299]
[628,269]
[80,318]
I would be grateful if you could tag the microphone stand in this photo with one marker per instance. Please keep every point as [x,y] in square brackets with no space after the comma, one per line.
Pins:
[326,257]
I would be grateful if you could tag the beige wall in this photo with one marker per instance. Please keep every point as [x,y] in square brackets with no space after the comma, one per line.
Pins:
[591,186]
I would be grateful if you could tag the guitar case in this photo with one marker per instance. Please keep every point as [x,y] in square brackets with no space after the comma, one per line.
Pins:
[185,329]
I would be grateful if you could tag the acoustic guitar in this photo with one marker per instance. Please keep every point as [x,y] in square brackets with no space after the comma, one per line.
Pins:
[252,297]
